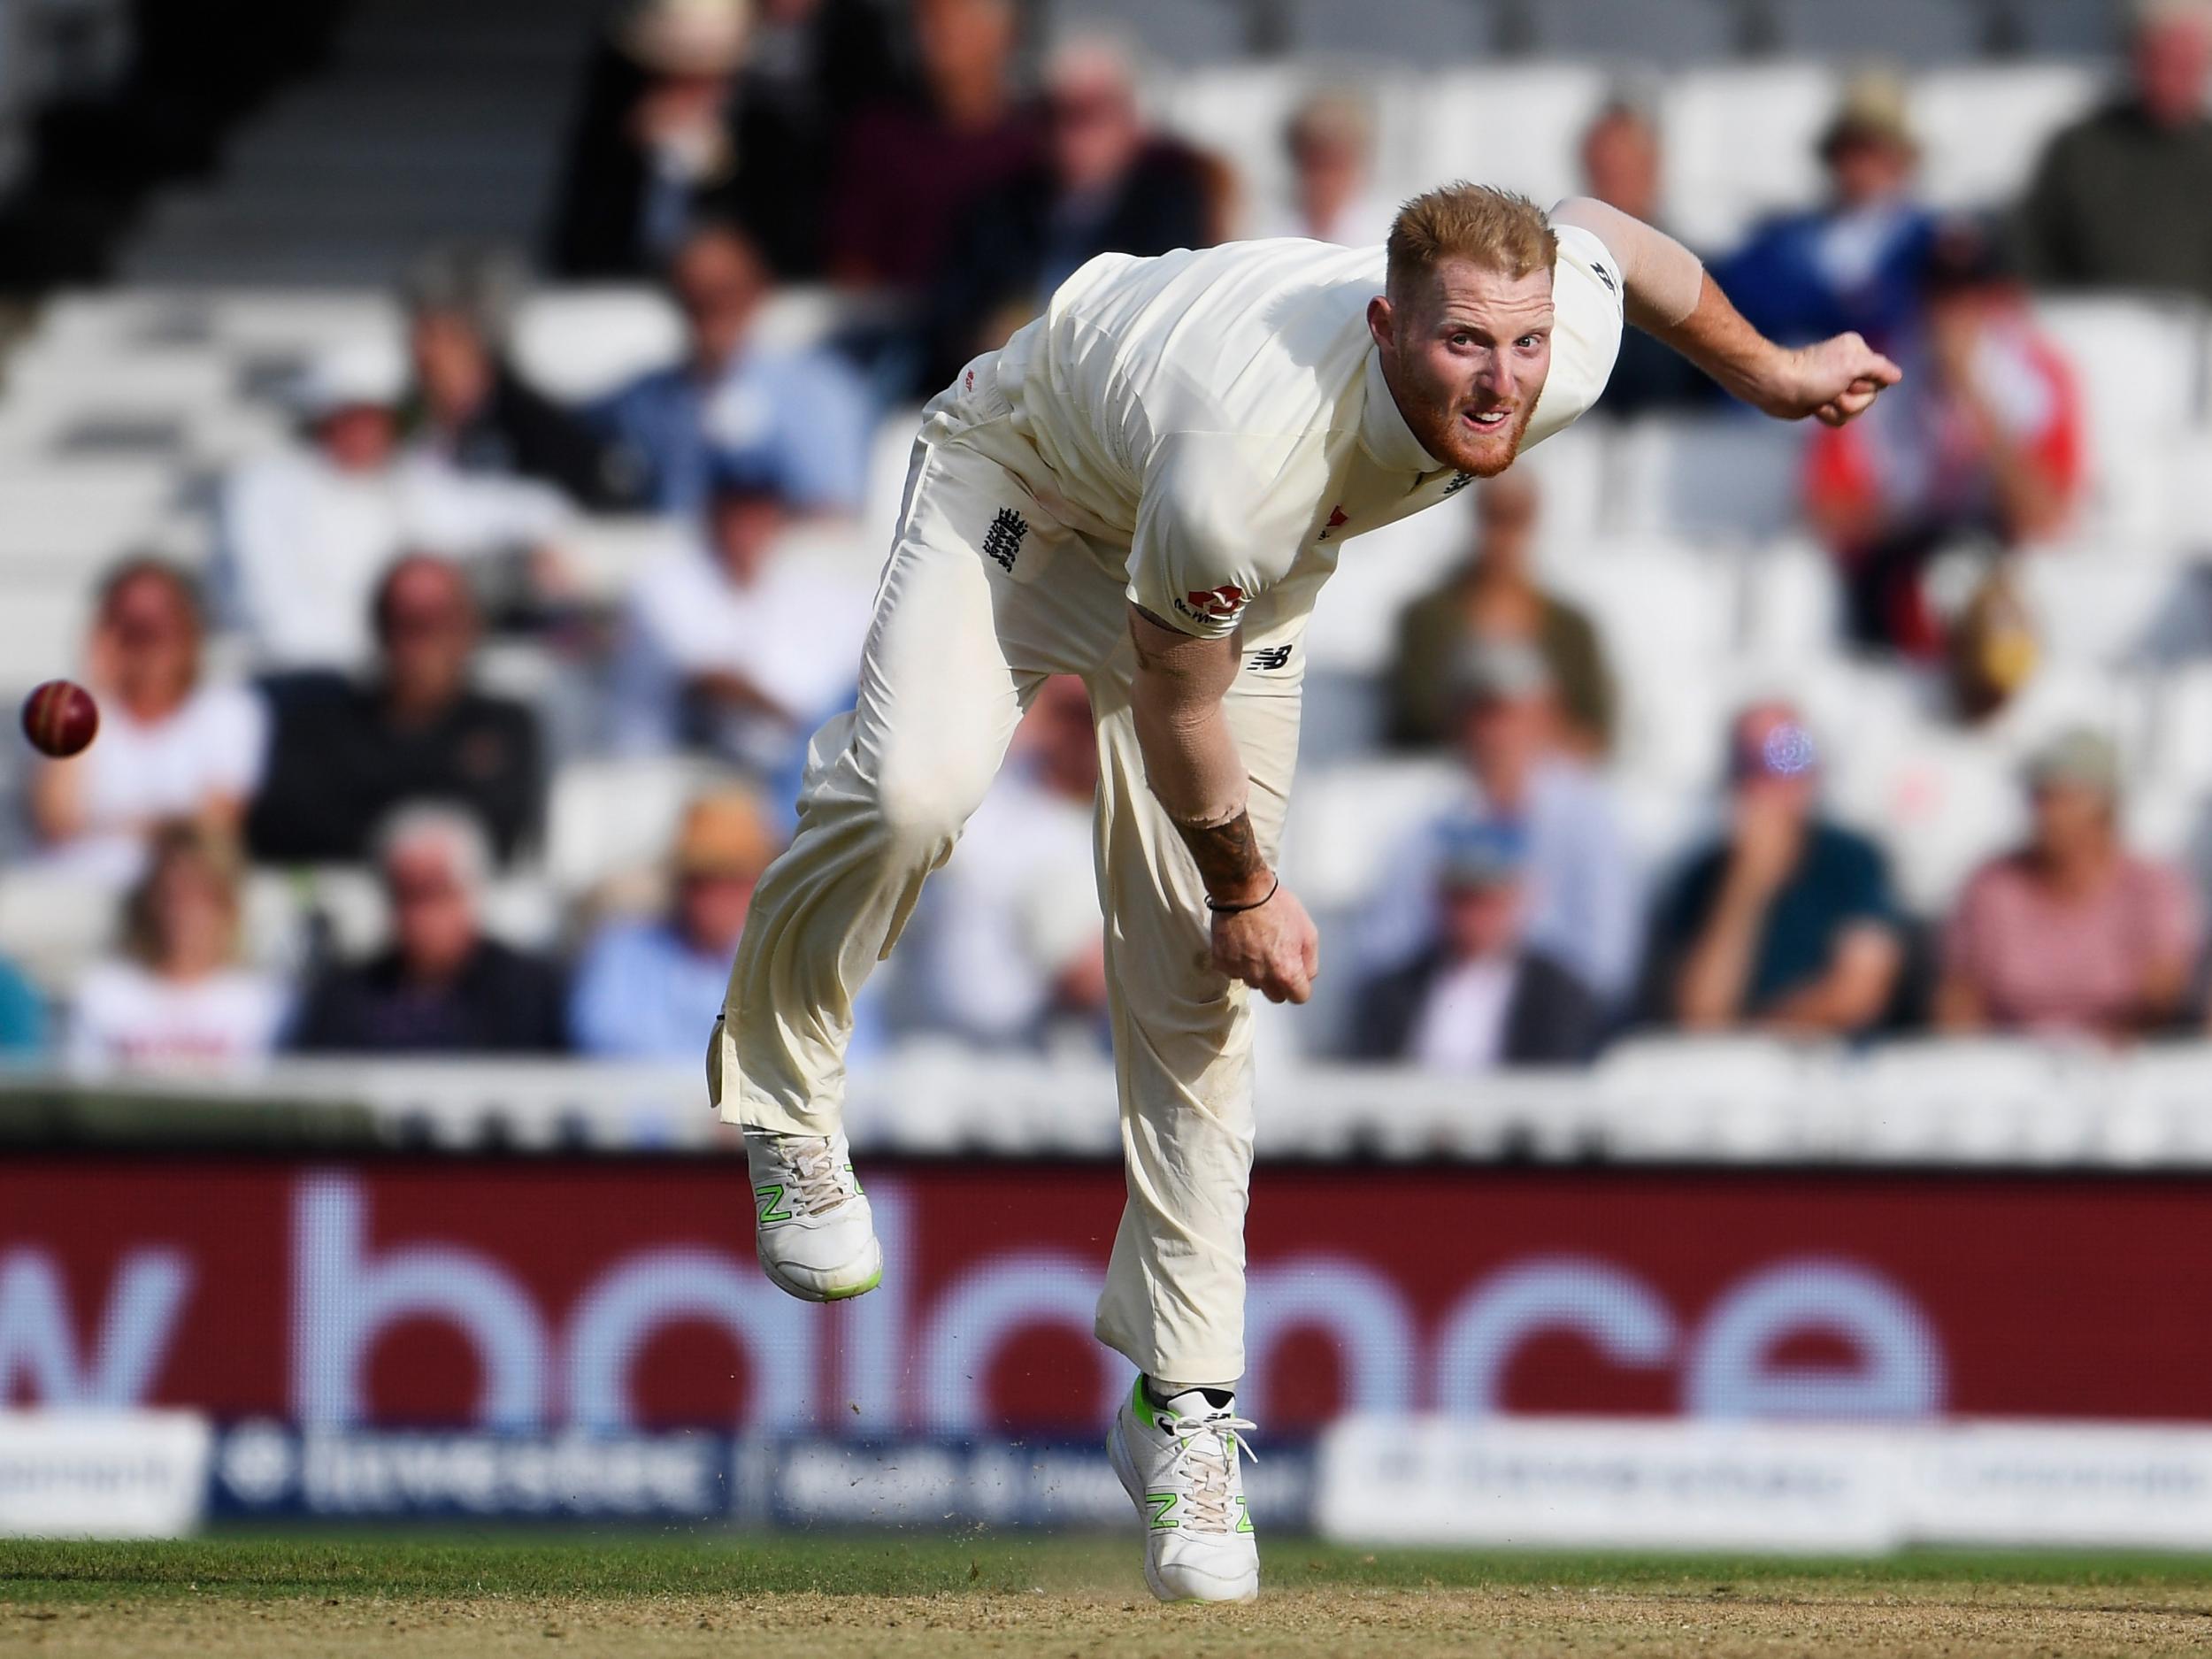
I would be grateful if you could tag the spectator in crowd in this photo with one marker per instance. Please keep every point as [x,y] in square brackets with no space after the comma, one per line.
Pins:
[1331,142]
[477,414]
[650,989]
[2071,932]
[305,534]
[1620,167]
[176,998]
[729,644]
[654,138]
[810,66]
[22,1015]
[343,752]
[1495,595]
[1984,440]
[800,414]
[1479,997]
[1854,263]
[1585,901]
[1012,950]
[1787,923]
[912,172]
[1104,185]
[445,986]
[171,745]
[2118,200]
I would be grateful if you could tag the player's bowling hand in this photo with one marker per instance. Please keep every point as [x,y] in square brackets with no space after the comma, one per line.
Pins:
[1836,381]
[1274,950]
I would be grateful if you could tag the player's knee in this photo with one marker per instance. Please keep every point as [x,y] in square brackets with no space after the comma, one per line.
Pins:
[924,806]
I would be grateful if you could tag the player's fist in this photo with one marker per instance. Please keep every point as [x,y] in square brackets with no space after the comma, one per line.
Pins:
[1836,380]
[1273,949]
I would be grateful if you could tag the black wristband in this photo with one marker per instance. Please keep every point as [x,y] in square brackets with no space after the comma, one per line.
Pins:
[1239,909]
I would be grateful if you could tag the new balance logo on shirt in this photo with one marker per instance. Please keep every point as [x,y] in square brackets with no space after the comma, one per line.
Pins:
[1273,657]
[1003,540]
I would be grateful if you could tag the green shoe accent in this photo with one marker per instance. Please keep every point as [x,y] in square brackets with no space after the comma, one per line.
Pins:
[874,1279]
[1143,1406]
[1244,1516]
[1160,1502]
[771,1201]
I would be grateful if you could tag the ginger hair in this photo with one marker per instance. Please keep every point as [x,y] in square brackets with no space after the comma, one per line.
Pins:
[1494,230]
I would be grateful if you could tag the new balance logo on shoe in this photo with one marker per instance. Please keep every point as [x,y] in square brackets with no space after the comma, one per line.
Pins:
[1003,540]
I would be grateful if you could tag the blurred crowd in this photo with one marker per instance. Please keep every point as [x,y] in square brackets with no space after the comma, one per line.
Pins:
[726,151]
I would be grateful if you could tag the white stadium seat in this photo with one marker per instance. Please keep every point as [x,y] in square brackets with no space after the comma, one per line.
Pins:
[1520,128]
[1345,821]
[2139,361]
[1792,601]
[611,819]
[1986,1100]
[2094,603]
[1740,146]
[575,344]
[1982,130]
[1728,477]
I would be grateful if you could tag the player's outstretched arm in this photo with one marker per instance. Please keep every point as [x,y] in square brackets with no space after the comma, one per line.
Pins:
[1261,934]
[1670,294]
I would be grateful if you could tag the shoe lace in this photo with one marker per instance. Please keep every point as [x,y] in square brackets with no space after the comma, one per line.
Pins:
[815,1186]
[1207,1448]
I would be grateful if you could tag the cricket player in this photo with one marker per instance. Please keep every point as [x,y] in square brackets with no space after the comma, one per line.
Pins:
[1148,486]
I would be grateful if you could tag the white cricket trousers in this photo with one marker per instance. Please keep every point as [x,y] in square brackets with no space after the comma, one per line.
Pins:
[958,645]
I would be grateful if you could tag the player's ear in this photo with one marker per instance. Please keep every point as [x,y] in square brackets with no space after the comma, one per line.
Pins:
[1379,324]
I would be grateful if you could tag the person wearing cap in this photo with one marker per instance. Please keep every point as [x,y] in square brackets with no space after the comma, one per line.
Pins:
[1787,922]
[2118,200]
[1985,443]
[2071,932]
[643,985]
[1585,890]
[796,412]
[1852,262]
[1495,594]
[344,751]
[1480,996]
[1622,167]
[730,646]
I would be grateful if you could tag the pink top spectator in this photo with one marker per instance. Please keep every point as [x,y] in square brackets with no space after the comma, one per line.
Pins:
[2045,964]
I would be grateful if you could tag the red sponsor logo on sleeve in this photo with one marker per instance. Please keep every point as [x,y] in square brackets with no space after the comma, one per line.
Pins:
[1218,605]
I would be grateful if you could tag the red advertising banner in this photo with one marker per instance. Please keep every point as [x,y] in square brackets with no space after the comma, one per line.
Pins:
[623,1295]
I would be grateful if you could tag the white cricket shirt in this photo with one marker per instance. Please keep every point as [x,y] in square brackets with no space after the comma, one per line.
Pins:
[1222,414]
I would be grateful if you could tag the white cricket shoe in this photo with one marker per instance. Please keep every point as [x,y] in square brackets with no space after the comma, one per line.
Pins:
[1178,1464]
[816,1238]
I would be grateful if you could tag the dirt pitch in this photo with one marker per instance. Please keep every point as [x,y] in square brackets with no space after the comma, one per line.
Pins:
[245,1598]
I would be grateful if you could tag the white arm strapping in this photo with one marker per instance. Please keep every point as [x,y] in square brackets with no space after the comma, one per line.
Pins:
[1665,279]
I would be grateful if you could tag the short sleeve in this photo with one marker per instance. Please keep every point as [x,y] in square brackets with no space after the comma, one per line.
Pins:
[1588,316]
[1211,536]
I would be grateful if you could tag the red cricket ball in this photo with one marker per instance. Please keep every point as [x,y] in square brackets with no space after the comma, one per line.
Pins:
[60,717]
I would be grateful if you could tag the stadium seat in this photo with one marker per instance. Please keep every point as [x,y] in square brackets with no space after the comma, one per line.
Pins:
[1792,601]
[2160,1108]
[1939,802]
[1981,131]
[1345,820]
[1355,624]
[53,925]
[1740,147]
[1909,31]
[1520,128]
[579,343]
[611,819]
[1634,33]
[2180,755]
[2139,361]
[1725,477]
[1700,1097]
[2063,28]
[1174,31]
[1430,32]
[2094,603]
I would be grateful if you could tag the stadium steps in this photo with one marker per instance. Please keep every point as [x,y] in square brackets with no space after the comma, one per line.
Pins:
[433,123]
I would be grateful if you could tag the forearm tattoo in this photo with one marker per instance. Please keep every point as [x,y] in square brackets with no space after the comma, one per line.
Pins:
[1228,854]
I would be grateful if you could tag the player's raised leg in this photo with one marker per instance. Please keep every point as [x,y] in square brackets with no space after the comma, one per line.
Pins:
[887,789]
[1174,1297]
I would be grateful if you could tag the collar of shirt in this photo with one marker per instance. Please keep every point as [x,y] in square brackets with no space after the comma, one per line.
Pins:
[1383,432]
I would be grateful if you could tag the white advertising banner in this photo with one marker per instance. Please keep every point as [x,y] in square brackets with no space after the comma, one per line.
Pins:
[1670,1484]
[1582,1483]
[123,1474]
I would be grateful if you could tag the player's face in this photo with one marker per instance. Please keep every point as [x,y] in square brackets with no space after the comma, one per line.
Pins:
[1466,355]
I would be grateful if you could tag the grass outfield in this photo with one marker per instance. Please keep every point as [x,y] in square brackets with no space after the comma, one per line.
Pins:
[242,1598]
